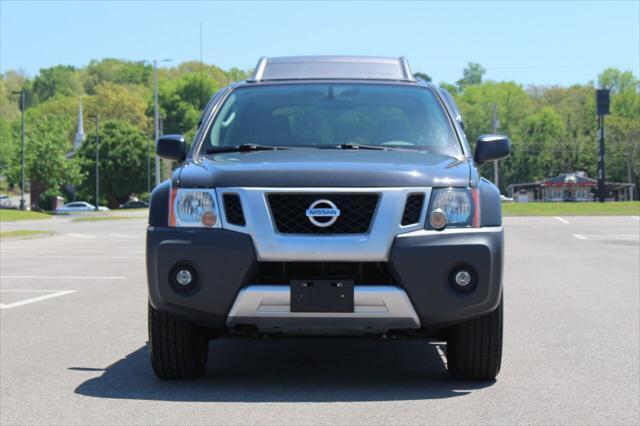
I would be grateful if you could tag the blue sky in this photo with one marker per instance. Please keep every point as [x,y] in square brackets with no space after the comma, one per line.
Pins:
[528,42]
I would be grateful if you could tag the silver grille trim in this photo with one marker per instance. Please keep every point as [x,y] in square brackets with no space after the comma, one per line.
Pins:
[377,309]
[373,246]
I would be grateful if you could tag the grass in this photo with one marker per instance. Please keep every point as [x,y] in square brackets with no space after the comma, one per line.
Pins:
[7,215]
[24,233]
[623,208]
[96,218]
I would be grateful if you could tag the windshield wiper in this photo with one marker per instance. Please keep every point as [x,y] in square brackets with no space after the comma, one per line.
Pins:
[359,146]
[243,147]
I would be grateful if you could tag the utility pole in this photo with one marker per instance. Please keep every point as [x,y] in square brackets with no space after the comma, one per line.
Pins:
[602,108]
[22,107]
[97,117]
[148,164]
[155,116]
[495,126]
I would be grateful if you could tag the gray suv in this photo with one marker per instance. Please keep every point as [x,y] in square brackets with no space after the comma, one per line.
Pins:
[330,196]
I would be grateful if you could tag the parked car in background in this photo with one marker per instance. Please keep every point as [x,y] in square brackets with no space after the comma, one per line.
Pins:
[5,202]
[134,204]
[506,199]
[79,207]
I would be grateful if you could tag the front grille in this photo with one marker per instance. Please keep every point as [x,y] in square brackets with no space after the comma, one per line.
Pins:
[233,209]
[361,272]
[356,212]
[412,209]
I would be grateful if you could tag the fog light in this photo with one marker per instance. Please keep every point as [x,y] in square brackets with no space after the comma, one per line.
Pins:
[184,277]
[438,219]
[463,278]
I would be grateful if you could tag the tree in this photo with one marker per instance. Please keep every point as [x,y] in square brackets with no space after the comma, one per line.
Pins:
[123,162]
[61,80]
[196,91]
[422,75]
[117,71]
[512,105]
[119,102]
[471,75]
[617,81]
[7,147]
[46,163]
[11,82]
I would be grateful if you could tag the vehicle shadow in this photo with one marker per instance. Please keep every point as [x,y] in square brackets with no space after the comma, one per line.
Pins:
[291,370]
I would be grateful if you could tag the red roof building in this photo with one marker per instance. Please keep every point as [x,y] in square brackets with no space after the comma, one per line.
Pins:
[569,187]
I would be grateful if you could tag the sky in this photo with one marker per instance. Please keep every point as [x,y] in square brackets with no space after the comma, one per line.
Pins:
[545,42]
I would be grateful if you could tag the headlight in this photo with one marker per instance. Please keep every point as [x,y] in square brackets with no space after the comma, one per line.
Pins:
[194,207]
[453,207]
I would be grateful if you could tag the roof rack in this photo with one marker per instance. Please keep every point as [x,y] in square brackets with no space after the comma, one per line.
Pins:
[332,67]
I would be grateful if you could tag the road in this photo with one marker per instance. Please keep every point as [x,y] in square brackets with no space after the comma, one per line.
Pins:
[73,342]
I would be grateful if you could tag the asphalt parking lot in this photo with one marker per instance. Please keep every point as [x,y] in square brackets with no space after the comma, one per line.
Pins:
[73,342]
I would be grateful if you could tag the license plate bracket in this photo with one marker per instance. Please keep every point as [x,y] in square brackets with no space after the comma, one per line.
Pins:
[313,295]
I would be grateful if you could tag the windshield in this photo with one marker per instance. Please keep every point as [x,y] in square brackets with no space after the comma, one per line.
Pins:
[330,114]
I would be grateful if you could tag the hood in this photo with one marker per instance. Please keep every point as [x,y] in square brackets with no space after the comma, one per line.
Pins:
[308,167]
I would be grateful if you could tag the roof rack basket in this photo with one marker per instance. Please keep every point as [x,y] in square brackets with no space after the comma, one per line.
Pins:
[332,67]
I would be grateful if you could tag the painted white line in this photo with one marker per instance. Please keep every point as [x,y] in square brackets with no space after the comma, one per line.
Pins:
[580,237]
[72,256]
[565,221]
[35,299]
[124,236]
[636,217]
[60,277]
[443,357]
[611,236]
[81,235]
[28,291]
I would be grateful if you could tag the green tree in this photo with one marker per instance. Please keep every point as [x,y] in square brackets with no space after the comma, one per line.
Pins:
[8,147]
[471,75]
[512,105]
[422,75]
[123,162]
[61,80]
[46,164]
[117,71]
[120,102]
[617,81]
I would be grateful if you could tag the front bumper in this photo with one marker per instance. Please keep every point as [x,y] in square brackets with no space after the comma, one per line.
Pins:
[420,261]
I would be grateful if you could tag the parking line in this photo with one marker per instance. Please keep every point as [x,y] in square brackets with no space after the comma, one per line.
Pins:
[124,236]
[60,277]
[74,256]
[580,237]
[33,299]
[81,235]
[565,221]
[443,357]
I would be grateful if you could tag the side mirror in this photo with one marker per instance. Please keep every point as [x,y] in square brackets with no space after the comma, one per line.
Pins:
[172,147]
[491,147]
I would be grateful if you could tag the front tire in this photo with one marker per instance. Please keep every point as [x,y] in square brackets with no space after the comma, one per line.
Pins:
[474,348]
[178,350]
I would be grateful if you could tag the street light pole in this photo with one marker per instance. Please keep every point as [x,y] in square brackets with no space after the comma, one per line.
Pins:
[149,164]
[155,116]
[22,106]
[97,165]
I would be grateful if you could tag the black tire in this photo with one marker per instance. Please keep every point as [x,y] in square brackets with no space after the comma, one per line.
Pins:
[178,349]
[474,348]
